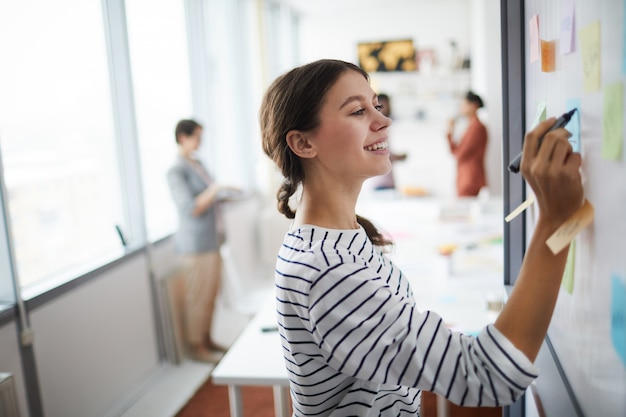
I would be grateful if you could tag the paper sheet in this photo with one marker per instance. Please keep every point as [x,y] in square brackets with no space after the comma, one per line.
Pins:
[520,209]
[612,121]
[574,124]
[568,28]
[618,315]
[590,54]
[534,38]
[548,56]
[568,275]
[568,230]
[540,113]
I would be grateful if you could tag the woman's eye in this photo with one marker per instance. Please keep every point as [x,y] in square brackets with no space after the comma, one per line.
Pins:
[379,107]
[358,112]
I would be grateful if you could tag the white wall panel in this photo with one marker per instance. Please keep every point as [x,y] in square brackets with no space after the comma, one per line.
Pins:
[10,362]
[95,343]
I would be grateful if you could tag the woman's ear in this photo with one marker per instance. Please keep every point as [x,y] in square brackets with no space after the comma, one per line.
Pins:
[300,144]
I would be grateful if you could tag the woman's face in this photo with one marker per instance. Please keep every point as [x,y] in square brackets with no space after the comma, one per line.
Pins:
[351,140]
[191,143]
[468,108]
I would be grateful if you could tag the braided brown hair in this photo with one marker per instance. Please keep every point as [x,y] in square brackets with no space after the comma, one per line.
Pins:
[293,102]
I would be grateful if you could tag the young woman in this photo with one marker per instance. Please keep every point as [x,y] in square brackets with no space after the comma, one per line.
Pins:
[470,151]
[354,341]
[197,240]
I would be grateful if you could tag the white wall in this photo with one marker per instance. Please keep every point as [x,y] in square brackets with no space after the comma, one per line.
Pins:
[474,25]
[10,362]
[96,343]
[487,81]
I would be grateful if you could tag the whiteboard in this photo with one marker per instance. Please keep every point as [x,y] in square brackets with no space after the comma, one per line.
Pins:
[587,329]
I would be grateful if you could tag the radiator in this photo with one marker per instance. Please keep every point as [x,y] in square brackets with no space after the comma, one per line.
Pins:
[171,298]
[8,396]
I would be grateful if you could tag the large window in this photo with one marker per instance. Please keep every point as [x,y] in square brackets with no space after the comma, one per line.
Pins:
[56,134]
[162,88]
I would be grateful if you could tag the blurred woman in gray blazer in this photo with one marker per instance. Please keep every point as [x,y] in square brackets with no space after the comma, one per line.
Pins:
[197,240]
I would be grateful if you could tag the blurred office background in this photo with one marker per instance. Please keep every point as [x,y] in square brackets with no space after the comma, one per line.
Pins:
[90,92]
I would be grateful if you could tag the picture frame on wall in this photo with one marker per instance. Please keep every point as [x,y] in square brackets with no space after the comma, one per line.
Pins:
[387,56]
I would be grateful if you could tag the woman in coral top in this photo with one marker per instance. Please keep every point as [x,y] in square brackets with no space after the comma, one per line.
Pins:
[470,151]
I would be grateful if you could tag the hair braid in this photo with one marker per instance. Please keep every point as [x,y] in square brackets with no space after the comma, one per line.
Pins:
[286,190]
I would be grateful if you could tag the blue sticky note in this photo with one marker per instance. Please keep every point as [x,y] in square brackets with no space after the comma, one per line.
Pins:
[624,42]
[574,124]
[618,315]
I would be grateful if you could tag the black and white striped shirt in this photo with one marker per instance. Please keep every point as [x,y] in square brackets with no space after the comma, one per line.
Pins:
[356,345]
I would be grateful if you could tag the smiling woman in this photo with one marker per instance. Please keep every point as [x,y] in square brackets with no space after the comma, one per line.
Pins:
[354,339]
[310,139]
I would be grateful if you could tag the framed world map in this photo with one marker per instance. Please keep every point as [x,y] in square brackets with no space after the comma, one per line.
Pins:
[384,56]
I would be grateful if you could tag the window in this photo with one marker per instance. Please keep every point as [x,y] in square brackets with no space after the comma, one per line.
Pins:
[162,90]
[56,134]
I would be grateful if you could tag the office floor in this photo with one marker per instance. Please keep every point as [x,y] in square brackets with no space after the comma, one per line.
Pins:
[429,409]
[172,389]
[212,401]
[176,385]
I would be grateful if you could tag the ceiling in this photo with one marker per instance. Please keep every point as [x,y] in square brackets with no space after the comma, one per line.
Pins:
[313,7]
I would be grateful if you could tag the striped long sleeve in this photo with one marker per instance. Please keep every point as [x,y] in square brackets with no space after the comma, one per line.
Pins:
[355,343]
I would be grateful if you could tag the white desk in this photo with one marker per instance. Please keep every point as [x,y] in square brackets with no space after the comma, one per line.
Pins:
[256,358]
[456,287]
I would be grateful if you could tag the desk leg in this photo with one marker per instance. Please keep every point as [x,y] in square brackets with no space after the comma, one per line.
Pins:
[234,399]
[443,409]
[281,401]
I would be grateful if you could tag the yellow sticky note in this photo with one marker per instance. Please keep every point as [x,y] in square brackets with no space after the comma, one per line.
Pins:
[568,275]
[534,38]
[568,230]
[612,120]
[590,54]
[548,56]
[520,209]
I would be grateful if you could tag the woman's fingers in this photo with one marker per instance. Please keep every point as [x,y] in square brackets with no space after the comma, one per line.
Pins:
[549,154]
[552,170]
[553,157]
[531,141]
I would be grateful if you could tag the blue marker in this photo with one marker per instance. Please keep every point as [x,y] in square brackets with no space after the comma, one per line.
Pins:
[560,122]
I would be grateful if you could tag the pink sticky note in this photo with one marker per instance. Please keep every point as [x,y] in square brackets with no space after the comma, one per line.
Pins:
[568,28]
[534,38]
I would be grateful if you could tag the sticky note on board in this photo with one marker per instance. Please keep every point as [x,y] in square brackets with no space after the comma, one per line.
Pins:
[540,113]
[590,54]
[572,226]
[534,38]
[520,209]
[568,28]
[574,124]
[618,315]
[568,275]
[624,42]
[548,56]
[612,120]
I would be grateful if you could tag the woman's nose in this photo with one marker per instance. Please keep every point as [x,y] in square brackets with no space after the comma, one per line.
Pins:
[381,121]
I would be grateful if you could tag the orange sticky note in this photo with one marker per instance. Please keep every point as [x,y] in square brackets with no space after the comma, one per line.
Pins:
[568,230]
[548,53]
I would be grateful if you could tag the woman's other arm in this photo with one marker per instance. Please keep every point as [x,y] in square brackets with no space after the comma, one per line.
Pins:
[552,171]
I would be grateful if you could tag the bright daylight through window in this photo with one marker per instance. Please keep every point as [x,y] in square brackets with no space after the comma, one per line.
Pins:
[56,134]
[162,91]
